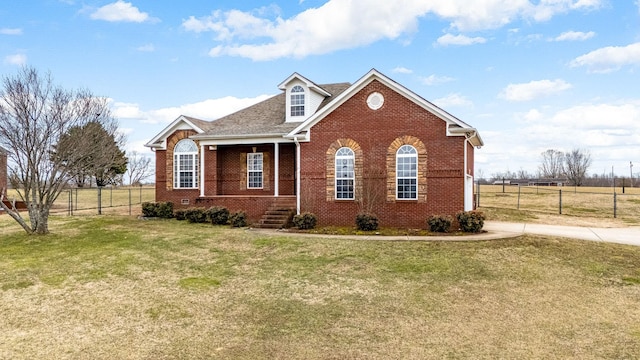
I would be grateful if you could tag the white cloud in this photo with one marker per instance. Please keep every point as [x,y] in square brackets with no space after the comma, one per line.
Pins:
[209,109]
[15,59]
[452,100]
[609,131]
[533,89]
[120,11]
[401,70]
[574,36]
[340,24]
[609,58]
[11,31]
[146,48]
[435,79]
[449,39]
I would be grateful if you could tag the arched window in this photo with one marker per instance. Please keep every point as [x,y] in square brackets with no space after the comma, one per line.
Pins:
[185,165]
[297,101]
[345,174]
[407,173]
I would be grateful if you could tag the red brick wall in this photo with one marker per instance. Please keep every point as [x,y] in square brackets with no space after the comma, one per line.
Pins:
[374,131]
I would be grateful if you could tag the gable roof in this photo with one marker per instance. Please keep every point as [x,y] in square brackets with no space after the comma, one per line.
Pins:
[310,84]
[159,141]
[455,126]
[266,118]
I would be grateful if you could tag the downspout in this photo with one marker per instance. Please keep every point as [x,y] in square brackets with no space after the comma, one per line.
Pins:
[202,171]
[295,140]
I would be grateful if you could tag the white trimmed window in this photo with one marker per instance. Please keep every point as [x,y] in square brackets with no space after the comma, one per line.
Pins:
[345,174]
[407,173]
[185,165]
[254,170]
[297,101]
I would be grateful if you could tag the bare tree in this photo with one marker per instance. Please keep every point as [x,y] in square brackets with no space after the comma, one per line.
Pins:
[576,164]
[34,114]
[139,168]
[552,164]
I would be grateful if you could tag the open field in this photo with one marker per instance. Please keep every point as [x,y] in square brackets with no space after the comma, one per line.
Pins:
[114,200]
[577,206]
[117,287]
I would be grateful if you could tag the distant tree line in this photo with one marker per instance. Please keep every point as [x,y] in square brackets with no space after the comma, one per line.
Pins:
[572,166]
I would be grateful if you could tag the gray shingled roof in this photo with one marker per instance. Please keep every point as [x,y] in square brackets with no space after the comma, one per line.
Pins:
[264,118]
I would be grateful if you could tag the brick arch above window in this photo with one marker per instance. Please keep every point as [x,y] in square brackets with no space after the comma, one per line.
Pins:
[422,166]
[331,166]
[171,143]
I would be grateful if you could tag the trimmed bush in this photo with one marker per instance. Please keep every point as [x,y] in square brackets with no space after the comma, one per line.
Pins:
[157,209]
[149,209]
[218,215]
[239,219]
[165,209]
[367,222]
[470,221]
[305,221]
[196,215]
[439,223]
[180,214]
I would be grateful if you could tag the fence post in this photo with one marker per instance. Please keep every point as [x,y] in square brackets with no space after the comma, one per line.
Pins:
[129,201]
[503,185]
[518,196]
[560,203]
[615,205]
[478,195]
[70,203]
[111,196]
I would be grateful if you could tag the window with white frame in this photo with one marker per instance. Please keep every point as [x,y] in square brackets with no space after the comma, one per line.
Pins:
[185,165]
[407,173]
[297,101]
[345,174]
[254,170]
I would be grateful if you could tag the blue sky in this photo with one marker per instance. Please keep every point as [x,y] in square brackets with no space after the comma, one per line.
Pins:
[529,75]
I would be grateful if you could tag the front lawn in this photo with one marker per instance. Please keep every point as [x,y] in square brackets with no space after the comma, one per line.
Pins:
[117,287]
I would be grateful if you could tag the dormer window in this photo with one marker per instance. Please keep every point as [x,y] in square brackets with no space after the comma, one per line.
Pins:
[297,101]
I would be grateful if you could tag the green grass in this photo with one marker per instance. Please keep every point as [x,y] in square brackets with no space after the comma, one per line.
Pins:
[117,287]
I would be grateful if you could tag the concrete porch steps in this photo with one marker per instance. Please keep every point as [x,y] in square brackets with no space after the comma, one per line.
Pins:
[279,214]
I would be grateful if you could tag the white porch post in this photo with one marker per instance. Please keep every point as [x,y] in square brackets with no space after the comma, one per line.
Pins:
[202,170]
[276,166]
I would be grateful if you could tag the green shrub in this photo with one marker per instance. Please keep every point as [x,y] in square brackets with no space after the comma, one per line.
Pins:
[439,223]
[239,219]
[164,209]
[366,222]
[149,209]
[196,215]
[305,221]
[180,214]
[218,215]
[470,221]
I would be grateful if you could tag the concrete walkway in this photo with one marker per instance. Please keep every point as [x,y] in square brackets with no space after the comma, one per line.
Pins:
[502,230]
[626,235]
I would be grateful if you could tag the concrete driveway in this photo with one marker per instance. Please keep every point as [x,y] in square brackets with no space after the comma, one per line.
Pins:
[627,235]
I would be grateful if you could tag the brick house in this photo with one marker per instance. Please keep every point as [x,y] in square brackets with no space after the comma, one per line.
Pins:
[333,150]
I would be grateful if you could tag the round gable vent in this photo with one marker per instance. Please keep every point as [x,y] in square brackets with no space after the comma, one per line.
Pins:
[375,101]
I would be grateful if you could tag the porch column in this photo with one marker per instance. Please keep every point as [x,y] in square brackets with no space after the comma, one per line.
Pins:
[202,179]
[276,170]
